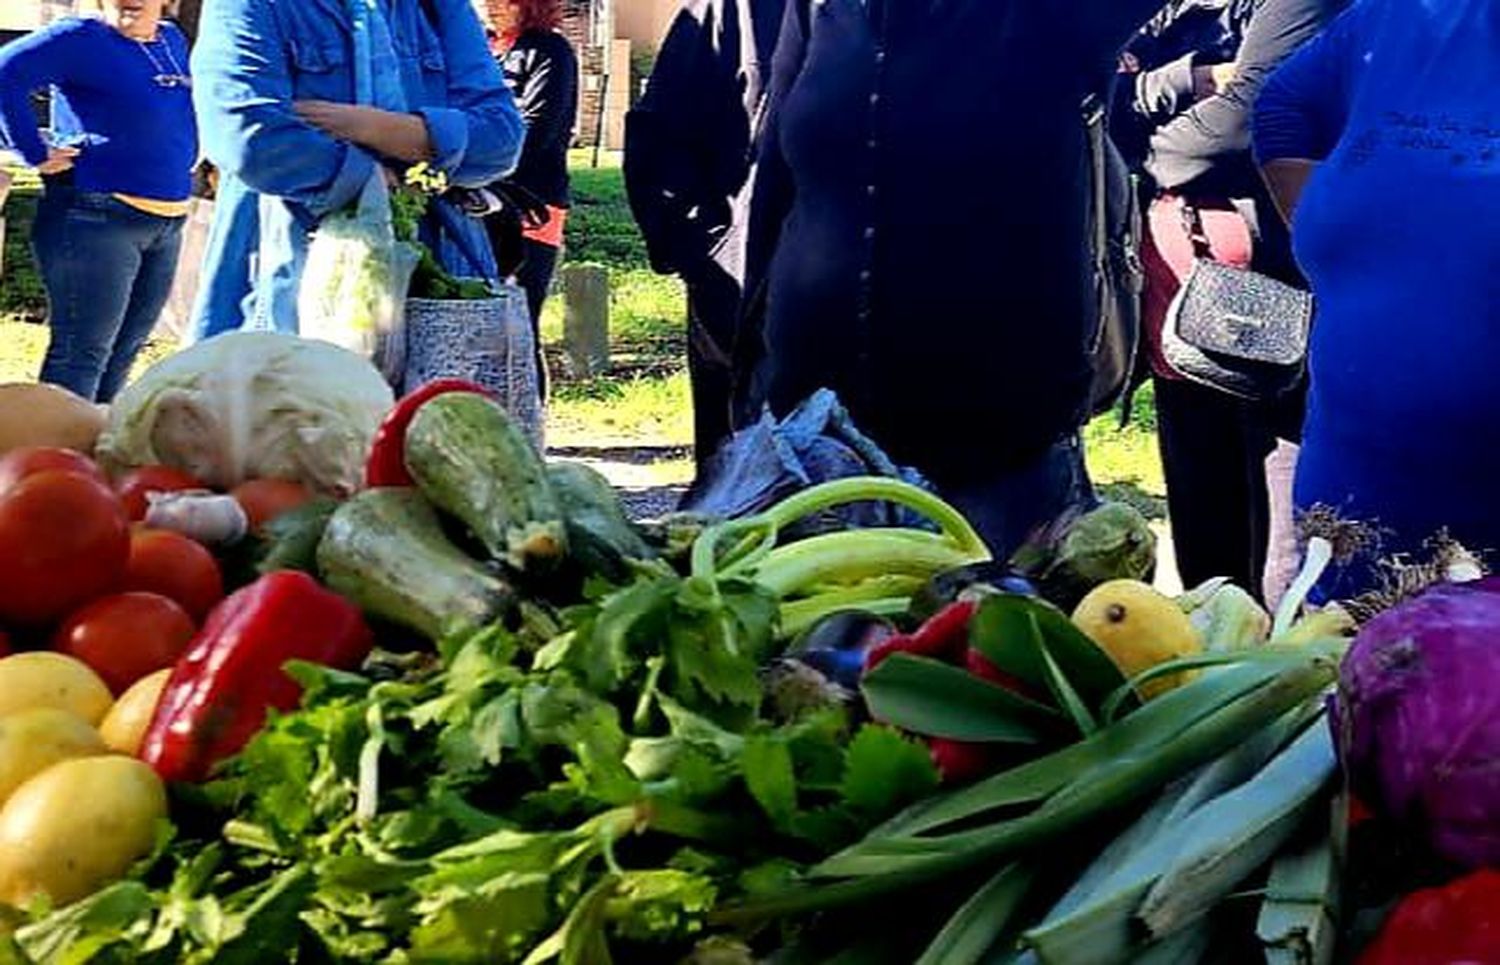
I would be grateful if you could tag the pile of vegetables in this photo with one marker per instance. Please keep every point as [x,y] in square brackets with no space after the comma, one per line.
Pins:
[456,707]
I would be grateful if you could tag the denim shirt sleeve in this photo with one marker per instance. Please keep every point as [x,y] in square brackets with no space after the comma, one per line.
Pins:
[242,91]
[477,133]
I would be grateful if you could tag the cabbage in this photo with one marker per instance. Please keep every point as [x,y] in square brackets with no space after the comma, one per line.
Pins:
[1417,716]
[251,405]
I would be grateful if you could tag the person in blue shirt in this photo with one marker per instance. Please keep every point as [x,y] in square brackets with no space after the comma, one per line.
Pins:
[1381,140]
[302,103]
[117,167]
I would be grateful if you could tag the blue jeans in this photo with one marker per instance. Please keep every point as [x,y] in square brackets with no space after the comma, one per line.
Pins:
[1008,506]
[108,270]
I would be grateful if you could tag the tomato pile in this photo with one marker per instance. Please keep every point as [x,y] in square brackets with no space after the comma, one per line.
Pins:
[83,574]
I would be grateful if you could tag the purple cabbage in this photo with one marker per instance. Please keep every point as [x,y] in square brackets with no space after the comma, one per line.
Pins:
[1417,719]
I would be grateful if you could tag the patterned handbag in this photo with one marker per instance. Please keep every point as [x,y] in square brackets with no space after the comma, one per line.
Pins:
[1236,330]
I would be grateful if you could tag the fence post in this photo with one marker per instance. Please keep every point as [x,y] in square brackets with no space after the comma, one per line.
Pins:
[586,319]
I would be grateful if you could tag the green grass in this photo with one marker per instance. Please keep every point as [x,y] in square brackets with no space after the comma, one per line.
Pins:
[644,402]
[21,294]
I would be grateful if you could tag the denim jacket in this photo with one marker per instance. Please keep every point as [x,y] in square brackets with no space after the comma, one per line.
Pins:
[279,176]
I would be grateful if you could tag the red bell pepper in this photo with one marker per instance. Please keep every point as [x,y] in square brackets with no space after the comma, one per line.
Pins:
[943,637]
[387,463]
[231,675]
[1457,924]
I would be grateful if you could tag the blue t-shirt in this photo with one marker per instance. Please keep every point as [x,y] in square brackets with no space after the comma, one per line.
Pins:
[125,104]
[1399,233]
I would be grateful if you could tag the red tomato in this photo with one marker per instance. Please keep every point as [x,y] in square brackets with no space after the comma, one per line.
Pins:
[134,486]
[64,540]
[175,566]
[127,636]
[265,499]
[30,460]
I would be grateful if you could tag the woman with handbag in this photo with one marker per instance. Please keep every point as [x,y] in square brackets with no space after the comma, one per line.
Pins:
[302,104]
[542,71]
[1193,78]
[1380,140]
[118,167]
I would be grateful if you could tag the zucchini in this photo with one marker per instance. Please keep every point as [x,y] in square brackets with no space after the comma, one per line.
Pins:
[475,464]
[600,537]
[293,537]
[385,550]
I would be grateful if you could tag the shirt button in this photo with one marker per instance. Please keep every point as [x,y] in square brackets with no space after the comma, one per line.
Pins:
[874,99]
[880,56]
[870,190]
[872,144]
[869,234]
[865,276]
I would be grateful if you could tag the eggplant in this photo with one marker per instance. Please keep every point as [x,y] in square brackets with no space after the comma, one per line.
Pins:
[836,645]
[946,588]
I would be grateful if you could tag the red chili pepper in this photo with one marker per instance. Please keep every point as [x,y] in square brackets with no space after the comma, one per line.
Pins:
[959,761]
[387,463]
[981,666]
[231,675]
[943,637]
[1457,924]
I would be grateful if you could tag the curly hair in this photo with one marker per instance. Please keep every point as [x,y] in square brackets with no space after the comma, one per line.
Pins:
[540,14]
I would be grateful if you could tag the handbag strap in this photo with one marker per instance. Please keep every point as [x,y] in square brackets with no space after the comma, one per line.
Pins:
[1192,223]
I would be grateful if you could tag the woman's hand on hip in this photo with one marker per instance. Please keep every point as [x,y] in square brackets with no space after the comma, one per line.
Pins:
[59,159]
[388,133]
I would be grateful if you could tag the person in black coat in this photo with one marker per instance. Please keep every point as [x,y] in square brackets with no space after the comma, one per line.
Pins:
[689,146]
[920,237]
[541,69]
[1196,72]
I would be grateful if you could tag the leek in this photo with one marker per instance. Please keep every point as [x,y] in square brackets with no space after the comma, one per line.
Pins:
[893,859]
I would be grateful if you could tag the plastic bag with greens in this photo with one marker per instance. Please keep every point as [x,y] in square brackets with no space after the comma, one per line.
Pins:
[251,405]
[354,284]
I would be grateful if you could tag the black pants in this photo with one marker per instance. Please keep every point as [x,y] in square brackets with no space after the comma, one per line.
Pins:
[1214,449]
[535,278]
[713,306]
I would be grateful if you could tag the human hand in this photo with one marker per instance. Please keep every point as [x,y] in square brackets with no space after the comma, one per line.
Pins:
[59,159]
[1211,79]
[1129,63]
